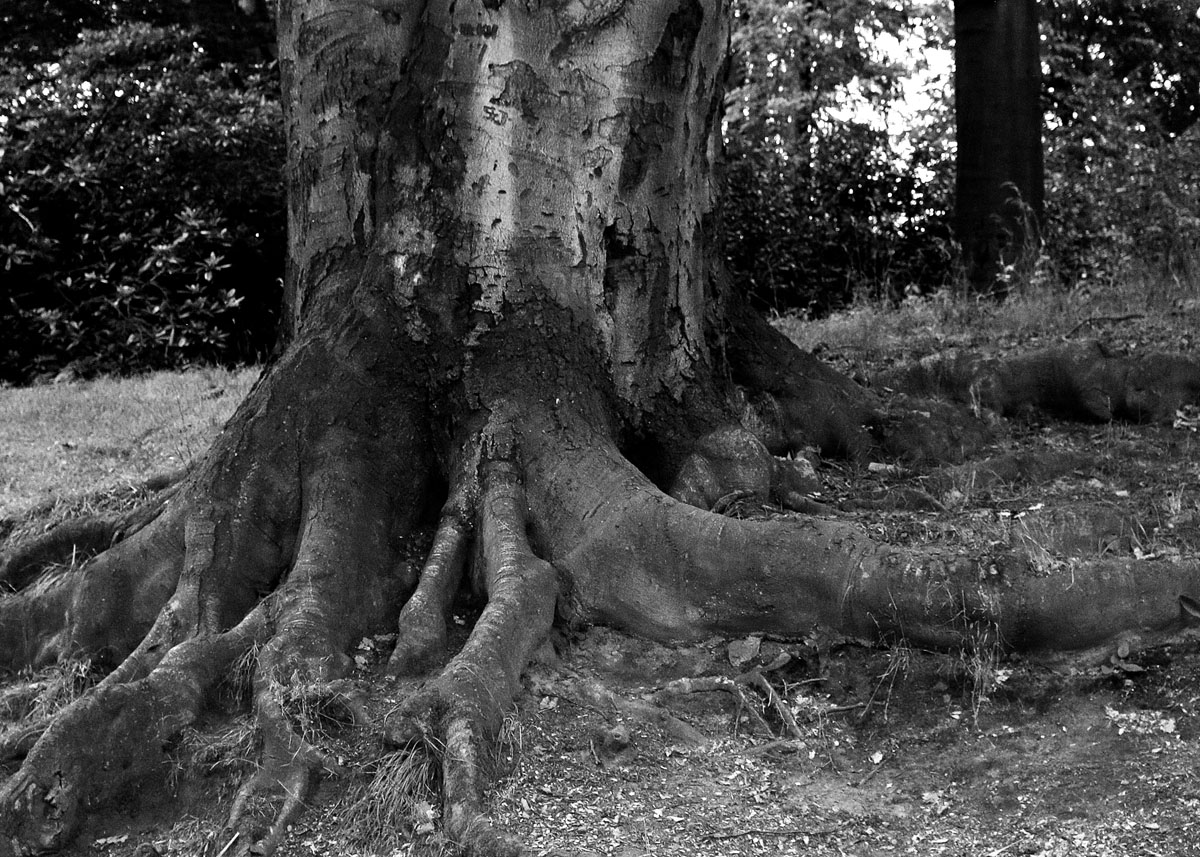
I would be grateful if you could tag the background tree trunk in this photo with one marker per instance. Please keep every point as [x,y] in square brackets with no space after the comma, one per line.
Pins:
[999,186]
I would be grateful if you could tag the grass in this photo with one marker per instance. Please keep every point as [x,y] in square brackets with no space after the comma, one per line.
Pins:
[400,802]
[1132,308]
[68,439]
[41,695]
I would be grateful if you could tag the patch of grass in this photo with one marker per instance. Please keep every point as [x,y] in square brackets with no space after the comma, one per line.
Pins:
[981,659]
[1135,307]
[898,664]
[399,804]
[47,692]
[61,441]
[232,750]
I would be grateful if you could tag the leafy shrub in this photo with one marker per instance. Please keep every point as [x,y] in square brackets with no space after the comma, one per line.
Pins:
[820,204]
[1122,138]
[141,220]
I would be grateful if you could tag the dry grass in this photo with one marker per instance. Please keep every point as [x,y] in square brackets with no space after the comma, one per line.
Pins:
[1131,308]
[46,692]
[233,749]
[399,803]
[95,436]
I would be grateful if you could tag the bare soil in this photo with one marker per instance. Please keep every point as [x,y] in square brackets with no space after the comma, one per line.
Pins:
[894,750]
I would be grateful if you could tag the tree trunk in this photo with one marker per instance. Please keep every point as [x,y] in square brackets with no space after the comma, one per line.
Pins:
[511,356]
[999,186]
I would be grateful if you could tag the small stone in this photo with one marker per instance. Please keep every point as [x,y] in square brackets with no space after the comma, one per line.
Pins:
[616,739]
[742,652]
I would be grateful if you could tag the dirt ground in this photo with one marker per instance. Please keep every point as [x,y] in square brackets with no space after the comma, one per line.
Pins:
[622,747]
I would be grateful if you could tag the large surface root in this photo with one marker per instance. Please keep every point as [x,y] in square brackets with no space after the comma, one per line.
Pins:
[304,510]
[339,589]
[686,573]
[1089,382]
[421,630]
[114,739]
[456,716]
[543,509]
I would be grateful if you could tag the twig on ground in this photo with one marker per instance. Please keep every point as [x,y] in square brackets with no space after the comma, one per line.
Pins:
[755,678]
[869,774]
[840,708]
[1100,319]
[706,684]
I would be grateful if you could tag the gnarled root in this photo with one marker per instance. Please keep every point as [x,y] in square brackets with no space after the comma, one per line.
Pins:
[421,637]
[340,587]
[114,739]
[686,573]
[287,547]
[1079,381]
[456,715]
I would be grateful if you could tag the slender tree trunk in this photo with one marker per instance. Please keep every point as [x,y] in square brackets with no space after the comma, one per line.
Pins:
[999,188]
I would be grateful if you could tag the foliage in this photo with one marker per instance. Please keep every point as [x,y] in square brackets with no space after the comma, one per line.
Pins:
[140,206]
[39,30]
[1122,88]
[1145,53]
[140,201]
[826,196]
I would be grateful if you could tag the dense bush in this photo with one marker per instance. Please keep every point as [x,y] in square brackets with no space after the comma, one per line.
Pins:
[1122,141]
[141,218]
[822,204]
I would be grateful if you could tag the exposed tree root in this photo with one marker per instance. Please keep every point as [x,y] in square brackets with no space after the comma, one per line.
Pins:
[114,739]
[456,715]
[63,544]
[686,573]
[1087,382]
[543,509]
[421,631]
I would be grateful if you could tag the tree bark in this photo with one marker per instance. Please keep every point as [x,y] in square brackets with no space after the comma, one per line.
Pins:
[999,188]
[511,354]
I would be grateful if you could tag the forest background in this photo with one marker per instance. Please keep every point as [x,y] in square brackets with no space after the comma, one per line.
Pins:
[141,148]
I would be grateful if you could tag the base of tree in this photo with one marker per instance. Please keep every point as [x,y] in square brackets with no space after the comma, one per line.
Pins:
[309,528]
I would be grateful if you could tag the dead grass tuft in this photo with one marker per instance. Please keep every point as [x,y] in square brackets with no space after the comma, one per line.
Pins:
[397,805]
[47,692]
[232,750]
[317,711]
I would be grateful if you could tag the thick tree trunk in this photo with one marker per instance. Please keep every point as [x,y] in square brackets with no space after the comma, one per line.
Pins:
[510,355]
[998,114]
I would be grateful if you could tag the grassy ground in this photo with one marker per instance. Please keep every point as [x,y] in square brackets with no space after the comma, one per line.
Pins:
[63,442]
[1129,313]
[887,750]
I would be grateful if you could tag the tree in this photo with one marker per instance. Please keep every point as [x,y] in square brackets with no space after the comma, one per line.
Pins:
[512,354]
[141,204]
[999,185]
